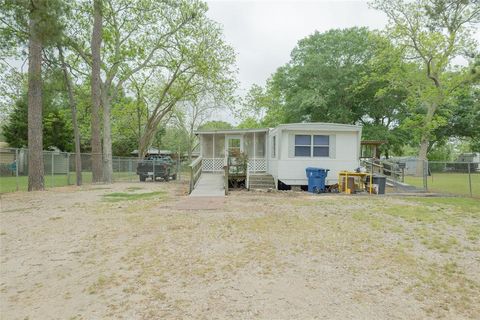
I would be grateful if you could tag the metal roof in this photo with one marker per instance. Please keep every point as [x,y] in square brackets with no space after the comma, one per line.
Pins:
[289,126]
[229,131]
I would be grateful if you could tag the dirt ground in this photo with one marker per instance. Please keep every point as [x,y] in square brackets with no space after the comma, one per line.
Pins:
[146,251]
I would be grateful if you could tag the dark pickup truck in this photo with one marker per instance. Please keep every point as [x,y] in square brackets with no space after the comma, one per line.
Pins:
[157,166]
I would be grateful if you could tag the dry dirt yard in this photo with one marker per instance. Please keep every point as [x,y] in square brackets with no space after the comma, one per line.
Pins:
[145,251]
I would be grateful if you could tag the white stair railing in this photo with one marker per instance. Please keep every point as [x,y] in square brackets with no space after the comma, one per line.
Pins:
[195,172]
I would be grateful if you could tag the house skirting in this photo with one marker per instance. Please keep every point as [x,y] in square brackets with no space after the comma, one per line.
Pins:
[216,165]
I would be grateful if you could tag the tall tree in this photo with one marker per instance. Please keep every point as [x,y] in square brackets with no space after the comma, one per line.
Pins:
[197,61]
[73,108]
[342,76]
[34,23]
[35,134]
[96,94]
[57,131]
[216,124]
[317,83]
[189,116]
[263,107]
[165,37]
[433,32]
[138,32]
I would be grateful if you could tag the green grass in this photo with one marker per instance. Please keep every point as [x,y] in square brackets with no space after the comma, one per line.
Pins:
[123,196]
[434,237]
[9,184]
[464,205]
[452,183]
[452,211]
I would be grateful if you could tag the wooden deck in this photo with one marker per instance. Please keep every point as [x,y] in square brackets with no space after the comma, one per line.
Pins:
[209,185]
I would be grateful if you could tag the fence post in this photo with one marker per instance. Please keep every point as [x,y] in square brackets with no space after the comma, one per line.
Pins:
[53,168]
[130,175]
[191,179]
[425,175]
[17,163]
[178,168]
[68,168]
[470,179]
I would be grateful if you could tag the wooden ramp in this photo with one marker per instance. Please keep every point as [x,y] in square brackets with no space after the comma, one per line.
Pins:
[209,185]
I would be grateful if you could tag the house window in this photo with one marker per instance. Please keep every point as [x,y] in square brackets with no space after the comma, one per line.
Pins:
[303,146]
[274,146]
[312,146]
[321,146]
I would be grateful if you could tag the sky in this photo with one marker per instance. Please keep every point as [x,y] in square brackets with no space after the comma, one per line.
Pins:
[264,32]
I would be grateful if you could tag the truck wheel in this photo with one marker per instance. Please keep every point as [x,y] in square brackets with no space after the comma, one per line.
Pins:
[142,178]
[174,177]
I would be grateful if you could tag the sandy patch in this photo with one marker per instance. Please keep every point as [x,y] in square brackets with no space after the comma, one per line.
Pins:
[74,253]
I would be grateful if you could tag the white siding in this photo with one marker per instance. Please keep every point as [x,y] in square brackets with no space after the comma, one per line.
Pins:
[272,166]
[343,155]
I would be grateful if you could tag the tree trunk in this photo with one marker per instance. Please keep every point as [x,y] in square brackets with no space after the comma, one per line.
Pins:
[190,152]
[73,108]
[96,83]
[147,138]
[35,126]
[425,139]
[107,139]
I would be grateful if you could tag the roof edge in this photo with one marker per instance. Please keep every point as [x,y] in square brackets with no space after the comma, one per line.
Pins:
[211,131]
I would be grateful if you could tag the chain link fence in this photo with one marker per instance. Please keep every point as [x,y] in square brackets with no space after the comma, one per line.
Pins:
[455,178]
[60,170]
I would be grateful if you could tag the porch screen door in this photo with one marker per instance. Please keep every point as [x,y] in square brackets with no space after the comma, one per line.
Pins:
[233,145]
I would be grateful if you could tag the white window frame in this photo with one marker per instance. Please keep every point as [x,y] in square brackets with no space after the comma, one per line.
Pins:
[320,145]
[295,145]
[311,146]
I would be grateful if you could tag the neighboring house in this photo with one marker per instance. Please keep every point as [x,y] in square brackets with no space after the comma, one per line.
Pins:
[472,157]
[411,164]
[285,151]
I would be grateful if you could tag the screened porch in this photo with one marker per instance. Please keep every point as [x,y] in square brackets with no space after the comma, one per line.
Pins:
[215,148]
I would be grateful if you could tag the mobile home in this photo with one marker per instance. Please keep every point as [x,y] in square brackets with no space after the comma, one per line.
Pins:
[286,150]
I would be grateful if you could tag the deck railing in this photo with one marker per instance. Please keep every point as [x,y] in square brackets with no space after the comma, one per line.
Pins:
[383,167]
[216,164]
[195,172]
[226,170]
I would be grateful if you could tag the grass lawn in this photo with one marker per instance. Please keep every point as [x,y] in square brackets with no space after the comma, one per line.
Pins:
[453,183]
[9,184]
[146,251]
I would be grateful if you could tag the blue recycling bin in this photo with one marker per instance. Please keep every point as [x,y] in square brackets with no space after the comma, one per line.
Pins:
[316,179]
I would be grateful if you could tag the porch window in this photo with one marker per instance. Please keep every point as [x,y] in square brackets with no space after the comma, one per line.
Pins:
[312,146]
[234,146]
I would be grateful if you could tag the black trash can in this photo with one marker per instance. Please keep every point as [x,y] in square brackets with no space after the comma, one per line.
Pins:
[380,181]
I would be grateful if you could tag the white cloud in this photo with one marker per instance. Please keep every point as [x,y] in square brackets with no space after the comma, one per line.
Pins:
[264,32]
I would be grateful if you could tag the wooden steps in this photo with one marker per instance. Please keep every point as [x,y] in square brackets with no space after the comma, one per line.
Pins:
[261,181]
